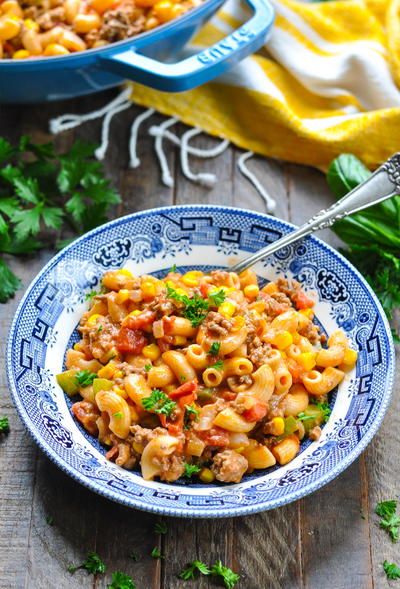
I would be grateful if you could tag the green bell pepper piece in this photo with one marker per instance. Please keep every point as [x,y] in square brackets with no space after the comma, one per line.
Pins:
[68,383]
[102,384]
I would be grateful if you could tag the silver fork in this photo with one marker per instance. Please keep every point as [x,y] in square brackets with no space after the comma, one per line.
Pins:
[384,183]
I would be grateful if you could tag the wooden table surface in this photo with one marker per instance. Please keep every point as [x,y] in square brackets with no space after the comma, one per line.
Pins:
[328,540]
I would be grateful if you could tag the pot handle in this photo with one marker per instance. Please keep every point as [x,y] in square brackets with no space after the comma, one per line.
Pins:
[201,67]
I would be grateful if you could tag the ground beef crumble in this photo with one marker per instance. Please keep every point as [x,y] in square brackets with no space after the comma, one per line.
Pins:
[217,324]
[229,466]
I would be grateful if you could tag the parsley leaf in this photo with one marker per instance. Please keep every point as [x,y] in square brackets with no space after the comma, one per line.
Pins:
[392,570]
[389,519]
[219,365]
[119,414]
[84,378]
[133,556]
[190,410]
[9,283]
[217,297]
[190,470]
[4,425]
[90,295]
[173,269]
[214,350]
[194,308]
[161,528]
[324,407]
[121,581]
[155,553]
[93,564]
[228,576]
[50,520]
[147,367]
[159,402]
[195,565]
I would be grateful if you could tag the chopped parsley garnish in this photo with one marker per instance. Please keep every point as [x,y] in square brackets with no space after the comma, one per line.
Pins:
[121,581]
[173,269]
[119,414]
[392,570]
[93,564]
[84,378]
[159,402]
[389,519]
[194,308]
[324,407]
[90,295]
[214,350]
[147,367]
[303,417]
[183,378]
[155,553]
[4,425]
[190,410]
[190,470]
[219,365]
[228,576]
[161,528]
[100,328]
[217,298]
[50,520]
[195,565]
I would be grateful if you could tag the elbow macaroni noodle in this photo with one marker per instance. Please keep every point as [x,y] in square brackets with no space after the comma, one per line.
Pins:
[182,370]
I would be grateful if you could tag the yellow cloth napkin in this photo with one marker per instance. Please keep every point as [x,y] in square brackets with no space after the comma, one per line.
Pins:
[324,84]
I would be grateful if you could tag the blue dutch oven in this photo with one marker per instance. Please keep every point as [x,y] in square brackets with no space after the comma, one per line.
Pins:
[137,59]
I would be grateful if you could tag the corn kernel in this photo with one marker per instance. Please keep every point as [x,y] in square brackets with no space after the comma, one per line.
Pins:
[282,340]
[225,289]
[179,340]
[10,26]
[122,296]
[307,360]
[148,290]
[206,475]
[54,49]
[125,272]
[12,7]
[189,280]
[163,10]
[31,24]
[181,291]
[138,447]
[91,322]
[152,351]
[101,6]
[119,374]
[227,308]
[21,54]
[251,291]
[309,313]
[107,371]
[121,392]
[135,313]
[279,426]
[350,357]
[240,449]
[239,322]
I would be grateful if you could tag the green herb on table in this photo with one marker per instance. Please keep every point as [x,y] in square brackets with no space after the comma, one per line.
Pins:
[392,570]
[219,365]
[50,520]
[93,564]
[45,190]
[194,308]
[190,470]
[217,298]
[84,378]
[214,349]
[121,581]
[227,575]
[133,556]
[194,566]
[155,553]
[4,425]
[159,402]
[389,519]
[160,528]
[372,236]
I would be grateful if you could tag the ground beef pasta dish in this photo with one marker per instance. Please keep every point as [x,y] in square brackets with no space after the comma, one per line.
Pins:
[202,375]
[45,28]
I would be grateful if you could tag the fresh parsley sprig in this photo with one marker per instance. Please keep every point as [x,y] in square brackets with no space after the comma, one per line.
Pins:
[46,191]
[194,308]
[121,581]
[389,518]
[190,470]
[155,553]
[217,298]
[392,570]
[190,411]
[227,575]
[214,349]
[219,364]
[326,411]
[85,378]
[4,425]
[192,568]
[93,564]
[159,402]
[160,528]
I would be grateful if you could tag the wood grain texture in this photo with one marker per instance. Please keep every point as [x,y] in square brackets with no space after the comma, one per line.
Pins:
[319,541]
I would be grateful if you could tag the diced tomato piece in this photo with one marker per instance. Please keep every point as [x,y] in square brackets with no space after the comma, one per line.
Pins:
[187,399]
[130,341]
[174,428]
[228,396]
[186,388]
[216,436]
[303,301]
[255,413]
[140,321]
[295,369]
[204,289]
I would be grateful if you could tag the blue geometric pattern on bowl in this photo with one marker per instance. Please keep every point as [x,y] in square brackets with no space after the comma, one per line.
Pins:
[192,237]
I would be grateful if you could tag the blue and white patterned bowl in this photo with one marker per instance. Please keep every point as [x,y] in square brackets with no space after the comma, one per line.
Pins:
[204,237]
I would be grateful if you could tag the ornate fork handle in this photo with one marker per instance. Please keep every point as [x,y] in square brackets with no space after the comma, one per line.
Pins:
[384,183]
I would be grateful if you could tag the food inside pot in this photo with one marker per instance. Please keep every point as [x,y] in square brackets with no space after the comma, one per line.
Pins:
[45,28]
